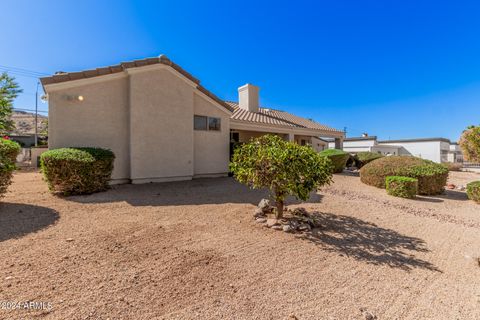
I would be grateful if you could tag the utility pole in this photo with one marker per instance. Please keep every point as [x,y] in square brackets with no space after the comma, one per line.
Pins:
[36,116]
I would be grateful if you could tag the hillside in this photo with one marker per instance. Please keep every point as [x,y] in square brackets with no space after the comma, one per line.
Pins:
[25,122]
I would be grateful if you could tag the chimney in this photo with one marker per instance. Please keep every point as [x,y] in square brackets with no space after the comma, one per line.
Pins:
[248,97]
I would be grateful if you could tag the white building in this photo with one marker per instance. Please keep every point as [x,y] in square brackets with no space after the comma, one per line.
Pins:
[434,149]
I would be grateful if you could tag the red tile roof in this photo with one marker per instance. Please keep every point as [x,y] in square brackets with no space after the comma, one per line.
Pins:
[276,117]
[162,59]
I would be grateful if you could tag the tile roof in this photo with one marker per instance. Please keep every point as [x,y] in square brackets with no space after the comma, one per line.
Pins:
[162,59]
[276,117]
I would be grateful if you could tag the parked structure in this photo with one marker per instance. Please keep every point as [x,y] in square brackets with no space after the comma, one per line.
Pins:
[160,122]
[435,149]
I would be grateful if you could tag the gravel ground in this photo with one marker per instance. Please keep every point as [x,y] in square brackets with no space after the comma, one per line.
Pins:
[191,250]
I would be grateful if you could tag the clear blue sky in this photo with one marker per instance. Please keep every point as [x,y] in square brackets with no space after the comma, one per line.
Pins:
[396,69]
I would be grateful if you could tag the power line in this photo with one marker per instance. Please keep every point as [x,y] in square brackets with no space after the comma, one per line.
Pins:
[26,71]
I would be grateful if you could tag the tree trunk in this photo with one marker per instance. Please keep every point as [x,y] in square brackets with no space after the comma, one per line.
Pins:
[279,209]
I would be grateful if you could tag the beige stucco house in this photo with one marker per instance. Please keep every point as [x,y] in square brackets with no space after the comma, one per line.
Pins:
[160,122]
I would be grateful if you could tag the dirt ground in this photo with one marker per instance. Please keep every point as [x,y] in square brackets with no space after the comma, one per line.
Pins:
[191,250]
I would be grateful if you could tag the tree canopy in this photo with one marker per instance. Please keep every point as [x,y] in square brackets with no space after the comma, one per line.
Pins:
[9,90]
[470,144]
[285,168]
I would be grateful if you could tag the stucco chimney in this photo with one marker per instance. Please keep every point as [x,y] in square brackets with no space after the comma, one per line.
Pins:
[248,97]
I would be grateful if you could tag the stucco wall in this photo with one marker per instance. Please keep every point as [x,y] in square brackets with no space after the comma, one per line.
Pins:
[100,120]
[429,150]
[211,148]
[161,126]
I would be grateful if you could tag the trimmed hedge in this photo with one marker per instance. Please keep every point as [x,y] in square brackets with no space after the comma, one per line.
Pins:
[453,166]
[403,187]
[366,157]
[431,176]
[337,157]
[8,155]
[72,171]
[473,191]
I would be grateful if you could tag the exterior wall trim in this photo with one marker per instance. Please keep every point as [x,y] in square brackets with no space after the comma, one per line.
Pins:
[241,125]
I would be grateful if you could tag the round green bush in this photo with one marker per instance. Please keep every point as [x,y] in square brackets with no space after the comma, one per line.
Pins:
[403,187]
[77,170]
[431,176]
[473,191]
[366,157]
[8,155]
[337,157]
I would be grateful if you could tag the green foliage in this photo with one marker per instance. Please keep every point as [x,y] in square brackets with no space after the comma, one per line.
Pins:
[338,158]
[473,191]
[9,90]
[283,167]
[470,144]
[403,187]
[8,154]
[77,170]
[366,157]
[431,176]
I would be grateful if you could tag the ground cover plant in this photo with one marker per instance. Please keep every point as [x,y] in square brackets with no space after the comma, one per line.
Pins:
[285,168]
[8,154]
[77,170]
[338,158]
[473,191]
[403,187]
[431,176]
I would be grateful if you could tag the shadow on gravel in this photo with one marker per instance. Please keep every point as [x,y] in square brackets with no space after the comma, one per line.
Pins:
[17,220]
[368,242]
[194,192]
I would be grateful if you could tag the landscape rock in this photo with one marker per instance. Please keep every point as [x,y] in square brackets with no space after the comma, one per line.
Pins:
[272,222]
[288,228]
[261,220]
[451,186]
[278,227]
[304,227]
[300,212]
[265,206]
[461,188]
[258,213]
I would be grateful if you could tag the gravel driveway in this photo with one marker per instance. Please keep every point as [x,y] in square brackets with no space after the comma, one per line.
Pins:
[191,250]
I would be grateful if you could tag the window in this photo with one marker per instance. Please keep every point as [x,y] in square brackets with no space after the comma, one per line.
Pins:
[199,122]
[214,124]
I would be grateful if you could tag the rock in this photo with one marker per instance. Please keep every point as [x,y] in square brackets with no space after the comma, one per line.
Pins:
[258,213]
[288,228]
[461,188]
[261,220]
[369,316]
[304,227]
[69,239]
[300,212]
[451,186]
[272,222]
[265,206]
[277,227]
[9,278]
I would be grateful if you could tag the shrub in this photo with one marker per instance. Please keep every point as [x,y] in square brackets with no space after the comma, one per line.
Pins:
[77,170]
[285,168]
[470,144]
[403,187]
[473,191]
[431,176]
[338,157]
[8,155]
[453,166]
[366,157]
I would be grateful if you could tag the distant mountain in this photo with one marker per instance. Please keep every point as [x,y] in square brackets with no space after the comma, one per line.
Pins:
[25,122]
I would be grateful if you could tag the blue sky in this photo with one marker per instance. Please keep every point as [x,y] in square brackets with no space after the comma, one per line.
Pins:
[395,69]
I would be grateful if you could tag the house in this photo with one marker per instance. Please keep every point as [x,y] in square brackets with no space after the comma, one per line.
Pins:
[435,149]
[160,122]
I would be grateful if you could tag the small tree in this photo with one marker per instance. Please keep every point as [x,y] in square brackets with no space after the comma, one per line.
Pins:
[9,90]
[285,168]
[470,144]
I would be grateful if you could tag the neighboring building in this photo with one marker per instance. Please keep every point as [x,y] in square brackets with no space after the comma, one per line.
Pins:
[435,149]
[160,122]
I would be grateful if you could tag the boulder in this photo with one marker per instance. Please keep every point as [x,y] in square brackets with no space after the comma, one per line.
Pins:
[272,222]
[258,213]
[265,206]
